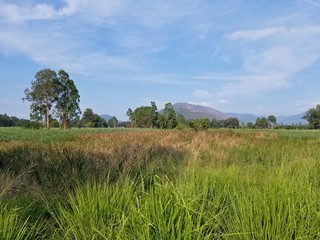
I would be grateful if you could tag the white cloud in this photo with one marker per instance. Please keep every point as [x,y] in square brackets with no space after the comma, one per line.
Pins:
[254,35]
[25,12]
[287,52]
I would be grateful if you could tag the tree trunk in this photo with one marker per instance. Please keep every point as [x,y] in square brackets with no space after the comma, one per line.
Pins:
[48,118]
[65,123]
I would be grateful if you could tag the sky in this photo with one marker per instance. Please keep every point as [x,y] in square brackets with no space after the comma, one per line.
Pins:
[260,57]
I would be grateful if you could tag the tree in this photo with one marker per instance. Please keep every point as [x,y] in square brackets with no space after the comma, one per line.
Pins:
[272,120]
[215,123]
[231,123]
[313,117]
[142,117]
[261,122]
[129,113]
[5,121]
[113,122]
[43,94]
[154,115]
[90,119]
[50,92]
[181,120]
[204,123]
[171,116]
[162,121]
[68,99]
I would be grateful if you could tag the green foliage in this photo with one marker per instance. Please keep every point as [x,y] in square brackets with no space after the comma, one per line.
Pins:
[200,124]
[261,123]
[313,117]
[272,119]
[181,120]
[68,100]
[43,94]
[12,227]
[113,122]
[231,123]
[49,91]
[91,119]
[144,117]
[170,116]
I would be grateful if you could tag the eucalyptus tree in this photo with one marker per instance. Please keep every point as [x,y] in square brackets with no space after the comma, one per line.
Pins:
[43,94]
[272,120]
[113,122]
[68,99]
[171,116]
[49,92]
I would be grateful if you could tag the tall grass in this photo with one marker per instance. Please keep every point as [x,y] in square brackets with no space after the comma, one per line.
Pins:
[161,185]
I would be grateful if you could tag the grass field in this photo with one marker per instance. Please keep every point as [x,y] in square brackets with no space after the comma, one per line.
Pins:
[152,184]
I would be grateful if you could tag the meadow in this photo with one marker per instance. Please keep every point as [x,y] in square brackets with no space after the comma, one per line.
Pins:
[159,184]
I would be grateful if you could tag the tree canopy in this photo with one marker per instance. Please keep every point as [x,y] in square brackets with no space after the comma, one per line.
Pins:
[50,92]
[91,119]
[313,117]
[68,99]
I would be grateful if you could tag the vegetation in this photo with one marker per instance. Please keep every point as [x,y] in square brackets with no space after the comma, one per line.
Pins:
[151,184]
[313,117]
[49,91]
[148,117]
[91,119]
[113,122]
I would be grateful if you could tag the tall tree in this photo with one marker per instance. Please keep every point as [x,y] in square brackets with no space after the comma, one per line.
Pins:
[171,116]
[181,120]
[272,120]
[113,122]
[142,117]
[154,115]
[42,95]
[129,113]
[313,117]
[261,122]
[231,122]
[68,99]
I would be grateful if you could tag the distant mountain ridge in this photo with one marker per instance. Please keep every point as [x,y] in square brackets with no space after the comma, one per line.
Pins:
[192,111]
[106,117]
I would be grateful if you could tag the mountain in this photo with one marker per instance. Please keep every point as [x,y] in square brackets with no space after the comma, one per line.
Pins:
[243,117]
[191,111]
[106,117]
[294,119]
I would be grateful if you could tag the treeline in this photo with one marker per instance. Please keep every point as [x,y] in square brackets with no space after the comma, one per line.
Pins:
[55,95]
[12,121]
[150,117]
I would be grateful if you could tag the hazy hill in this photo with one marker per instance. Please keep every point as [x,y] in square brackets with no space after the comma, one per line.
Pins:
[191,111]
[106,117]
[294,119]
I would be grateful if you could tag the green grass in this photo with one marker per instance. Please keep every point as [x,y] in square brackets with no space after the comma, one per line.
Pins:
[122,184]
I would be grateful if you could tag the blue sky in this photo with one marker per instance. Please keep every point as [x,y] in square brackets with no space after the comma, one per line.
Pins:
[260,57]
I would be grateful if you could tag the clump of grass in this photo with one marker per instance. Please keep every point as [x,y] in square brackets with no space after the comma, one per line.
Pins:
[12,227]
[122,211]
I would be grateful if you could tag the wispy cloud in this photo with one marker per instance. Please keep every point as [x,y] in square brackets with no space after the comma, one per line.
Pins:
[253,35]
[312,2]
[269,65]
